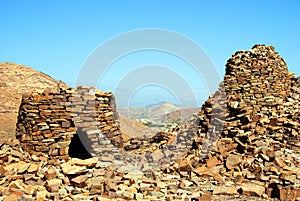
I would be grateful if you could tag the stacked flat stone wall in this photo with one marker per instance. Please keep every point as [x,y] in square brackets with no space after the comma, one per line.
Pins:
[48,121]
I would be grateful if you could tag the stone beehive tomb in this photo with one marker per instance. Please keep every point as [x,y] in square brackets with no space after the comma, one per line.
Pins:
[256,113]
[69,121]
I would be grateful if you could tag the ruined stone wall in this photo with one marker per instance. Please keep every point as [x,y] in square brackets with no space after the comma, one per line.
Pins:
[260,88]
[258,145]
[260,77]
[48,121]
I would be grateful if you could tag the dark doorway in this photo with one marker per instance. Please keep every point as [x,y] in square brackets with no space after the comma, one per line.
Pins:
[77,149]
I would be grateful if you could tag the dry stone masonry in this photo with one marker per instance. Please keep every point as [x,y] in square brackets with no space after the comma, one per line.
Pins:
[47,122]
[257,151]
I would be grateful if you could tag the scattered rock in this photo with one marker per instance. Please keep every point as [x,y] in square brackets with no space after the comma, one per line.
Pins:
[232,161]
[80,181]
[251,189]
[225,190]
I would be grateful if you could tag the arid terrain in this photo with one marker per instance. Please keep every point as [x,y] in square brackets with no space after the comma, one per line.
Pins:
[242,144]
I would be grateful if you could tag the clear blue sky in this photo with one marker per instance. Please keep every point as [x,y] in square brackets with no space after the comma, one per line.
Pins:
[57,36]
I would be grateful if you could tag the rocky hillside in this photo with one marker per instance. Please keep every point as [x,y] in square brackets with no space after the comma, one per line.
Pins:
[16,80]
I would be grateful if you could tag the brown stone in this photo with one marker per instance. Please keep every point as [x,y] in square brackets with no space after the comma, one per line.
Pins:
[91,162]
[259,141]
[50,117]
[96,185]
[33,168]
[232,161]
[53,185]
[212,162]
[50,173]
[201,170]
[225,190]
[16,153]
[252,189]
[65,124]
[73,169]
[11,198]
[184,166]
[157,155]
[41,194]
[17,192]
[109,174]
[79,181]
[22,166]
[110,186]
[205,197]
[289,193]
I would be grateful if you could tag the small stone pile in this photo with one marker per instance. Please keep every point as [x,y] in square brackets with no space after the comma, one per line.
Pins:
[48,121]
[248,132]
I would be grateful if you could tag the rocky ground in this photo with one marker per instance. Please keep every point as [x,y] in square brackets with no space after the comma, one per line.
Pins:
[35,177]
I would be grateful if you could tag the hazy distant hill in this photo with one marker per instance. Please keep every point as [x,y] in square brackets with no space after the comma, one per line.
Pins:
[183,113]
[158,113]
[16,80]
[149,111]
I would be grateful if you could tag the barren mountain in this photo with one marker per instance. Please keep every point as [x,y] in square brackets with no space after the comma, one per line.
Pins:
[183,113]
[16,80]
[159,113]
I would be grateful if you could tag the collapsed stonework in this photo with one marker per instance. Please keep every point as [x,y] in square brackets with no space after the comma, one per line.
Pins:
[256,110]
[48,122]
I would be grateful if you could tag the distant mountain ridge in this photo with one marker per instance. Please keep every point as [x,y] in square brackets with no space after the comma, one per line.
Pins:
[161,104]
[161,112]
